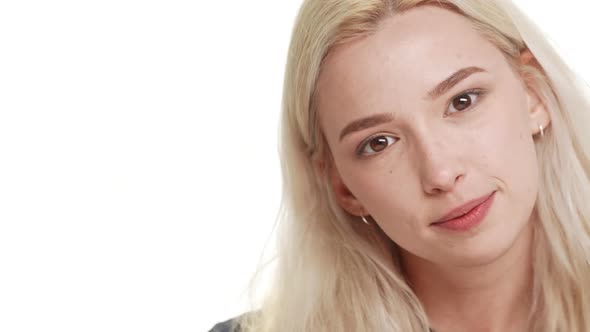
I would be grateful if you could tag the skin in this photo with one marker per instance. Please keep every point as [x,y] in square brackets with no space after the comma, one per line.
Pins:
[439,155]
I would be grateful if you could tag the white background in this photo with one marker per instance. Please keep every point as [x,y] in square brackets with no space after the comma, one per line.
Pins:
[139,178]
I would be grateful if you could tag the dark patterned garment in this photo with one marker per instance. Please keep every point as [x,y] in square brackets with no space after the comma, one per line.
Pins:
[231,325]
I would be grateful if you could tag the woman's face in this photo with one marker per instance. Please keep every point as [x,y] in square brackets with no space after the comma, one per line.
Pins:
[421,151]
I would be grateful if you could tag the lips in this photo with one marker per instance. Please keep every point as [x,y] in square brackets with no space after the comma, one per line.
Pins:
[463,209]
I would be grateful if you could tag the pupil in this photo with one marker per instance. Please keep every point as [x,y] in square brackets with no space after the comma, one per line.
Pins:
[378,143]
[462,102]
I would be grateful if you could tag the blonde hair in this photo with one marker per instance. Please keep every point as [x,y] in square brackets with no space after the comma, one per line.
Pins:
[333,275]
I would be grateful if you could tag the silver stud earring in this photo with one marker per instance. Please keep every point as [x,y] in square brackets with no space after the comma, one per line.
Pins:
[364,220]
[542,131]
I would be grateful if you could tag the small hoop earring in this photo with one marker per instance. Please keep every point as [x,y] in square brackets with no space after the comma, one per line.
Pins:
[542,131]
[364,220]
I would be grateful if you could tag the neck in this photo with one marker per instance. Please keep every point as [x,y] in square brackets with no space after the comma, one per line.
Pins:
[487,298]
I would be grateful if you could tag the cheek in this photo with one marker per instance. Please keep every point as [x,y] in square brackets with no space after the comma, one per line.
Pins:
[393,197]
[507,144]
[383,189]
[507,153]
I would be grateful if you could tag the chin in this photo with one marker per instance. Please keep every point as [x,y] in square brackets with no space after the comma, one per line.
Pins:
[479,254]
[490,244]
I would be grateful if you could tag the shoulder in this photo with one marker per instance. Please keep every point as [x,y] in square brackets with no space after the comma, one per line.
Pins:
[231,325]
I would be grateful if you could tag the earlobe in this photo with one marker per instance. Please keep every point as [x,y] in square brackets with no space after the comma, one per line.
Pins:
[342,193]
[540,119]
[539,115]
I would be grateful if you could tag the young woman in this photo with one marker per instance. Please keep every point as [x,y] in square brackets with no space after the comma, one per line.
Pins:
[436,162]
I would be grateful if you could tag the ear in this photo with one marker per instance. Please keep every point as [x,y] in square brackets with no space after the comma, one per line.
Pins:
[538,113]
[343,195]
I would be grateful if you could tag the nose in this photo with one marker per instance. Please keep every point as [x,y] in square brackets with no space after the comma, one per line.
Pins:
[440,168]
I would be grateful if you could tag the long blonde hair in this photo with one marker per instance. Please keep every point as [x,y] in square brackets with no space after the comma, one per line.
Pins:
[332,275]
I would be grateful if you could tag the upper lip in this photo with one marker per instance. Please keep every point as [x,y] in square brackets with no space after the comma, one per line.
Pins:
[463,209]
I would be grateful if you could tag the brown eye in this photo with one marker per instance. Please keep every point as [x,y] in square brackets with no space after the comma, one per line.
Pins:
[376,144]
[464,101]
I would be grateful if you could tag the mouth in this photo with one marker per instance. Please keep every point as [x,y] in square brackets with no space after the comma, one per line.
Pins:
[467,215]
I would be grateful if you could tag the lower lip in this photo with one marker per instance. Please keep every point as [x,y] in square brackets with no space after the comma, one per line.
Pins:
[469,220]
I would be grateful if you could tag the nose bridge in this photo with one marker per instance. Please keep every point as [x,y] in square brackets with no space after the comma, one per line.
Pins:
[437,160]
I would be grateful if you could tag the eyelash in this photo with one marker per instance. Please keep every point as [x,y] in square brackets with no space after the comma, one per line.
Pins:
[478,92]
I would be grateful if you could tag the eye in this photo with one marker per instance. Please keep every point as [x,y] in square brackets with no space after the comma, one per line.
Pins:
[375,144]
[465,100]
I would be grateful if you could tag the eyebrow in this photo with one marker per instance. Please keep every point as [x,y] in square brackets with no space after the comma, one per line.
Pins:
[453,80]
[439,90]
[364,123]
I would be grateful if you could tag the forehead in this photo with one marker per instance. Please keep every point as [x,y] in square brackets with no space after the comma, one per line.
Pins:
[409,54]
